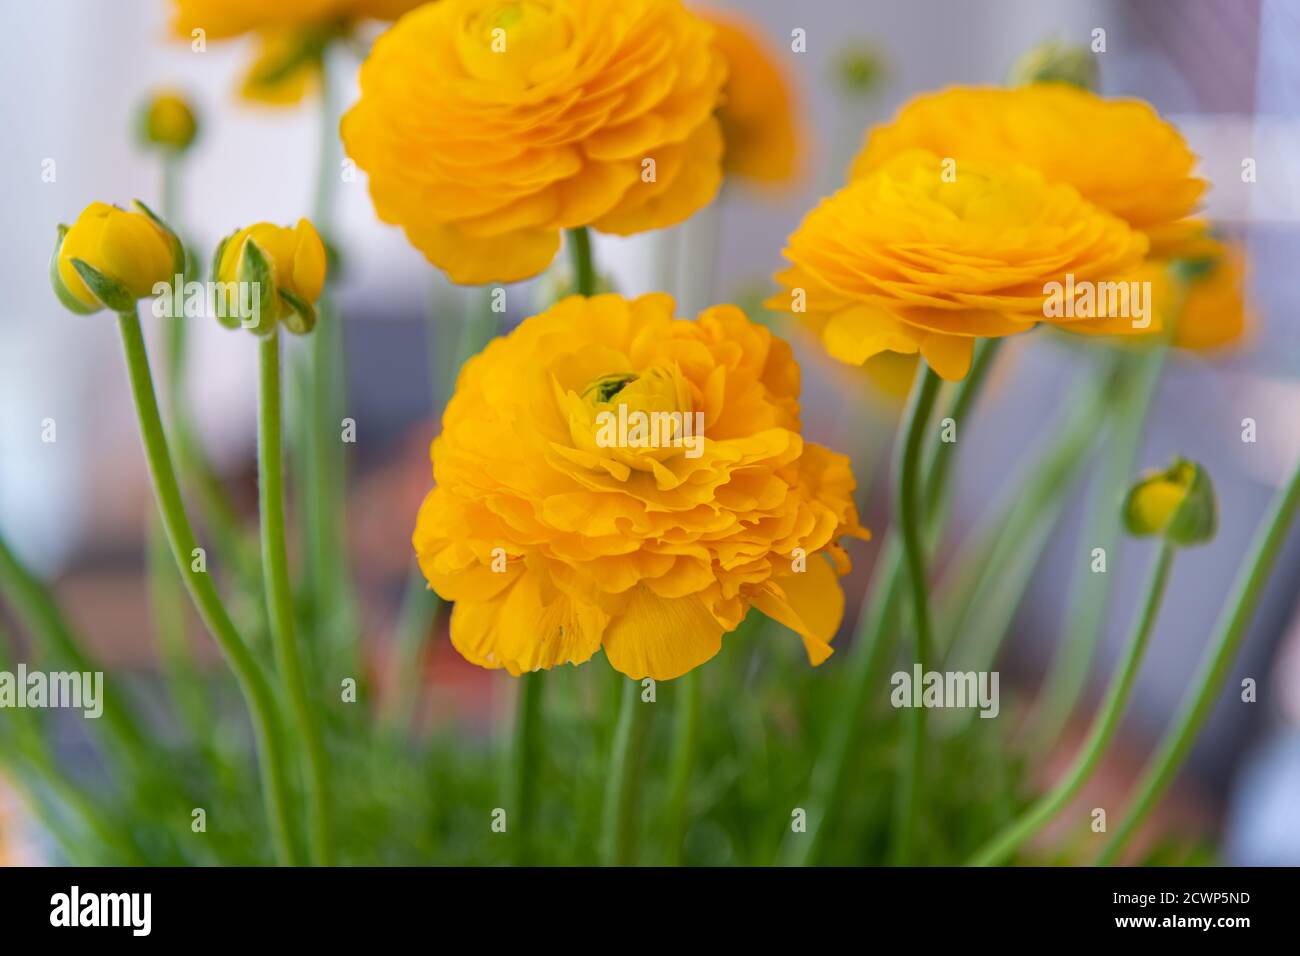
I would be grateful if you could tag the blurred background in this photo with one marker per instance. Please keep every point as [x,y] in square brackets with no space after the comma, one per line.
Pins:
[74,73]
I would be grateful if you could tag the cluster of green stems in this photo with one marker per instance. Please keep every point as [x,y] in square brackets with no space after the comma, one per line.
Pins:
[292,746]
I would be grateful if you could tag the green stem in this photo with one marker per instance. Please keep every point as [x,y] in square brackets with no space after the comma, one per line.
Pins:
[525,763]
[279,596]
[911,524]
[686,730]
[1090,593]
[180,534]
[318,423]
[584,270]
[940,456]
[1103,728]
[992,570]
[1231,629]
[618,838]
[876,618]
[217,512]
[420,604]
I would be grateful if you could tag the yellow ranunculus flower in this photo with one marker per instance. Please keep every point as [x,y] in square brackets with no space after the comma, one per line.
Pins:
[169,121]
[557,531]
[922,256]
[1214,311]
[290,284]
[125,253]
[1118,153]
[487,127]
[757,114]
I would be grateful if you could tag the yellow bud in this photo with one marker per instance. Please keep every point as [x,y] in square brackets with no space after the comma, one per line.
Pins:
[169,122]
[292,261]
[1055,62]
[123,254]
[1177,503]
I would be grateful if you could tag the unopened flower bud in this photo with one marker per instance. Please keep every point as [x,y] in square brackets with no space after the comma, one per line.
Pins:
[167,121]
[112,257]
[1177,503]
[267,273]
[1055,62]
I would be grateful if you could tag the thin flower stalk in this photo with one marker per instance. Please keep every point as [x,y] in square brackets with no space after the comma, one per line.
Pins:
[275,566]
[911,523]
[252,680]
[1251,580]
[1103,729]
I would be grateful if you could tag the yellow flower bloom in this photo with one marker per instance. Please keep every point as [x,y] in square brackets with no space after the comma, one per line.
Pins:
[169,122]
[1117,153]
[913,259]
[487,127]
[557,532]
[1214,311]
[122,256]
[757,114]
[290,284]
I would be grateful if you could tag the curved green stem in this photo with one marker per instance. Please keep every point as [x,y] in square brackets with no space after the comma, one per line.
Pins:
[1089,595]
[1103,727]
[317,424]
[525,763]
[993,568]
[911,524]
[279,597]
[618,838]
[876,618]
[218,514]
[1231,629]
[941,454]
[180,535]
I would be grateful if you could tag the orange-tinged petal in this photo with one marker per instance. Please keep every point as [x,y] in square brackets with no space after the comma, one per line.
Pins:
[810,603]
[662,638]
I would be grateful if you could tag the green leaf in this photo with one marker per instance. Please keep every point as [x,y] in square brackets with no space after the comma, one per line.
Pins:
[301,318]
[255,270]
[65,296]
[106,290]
